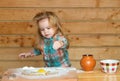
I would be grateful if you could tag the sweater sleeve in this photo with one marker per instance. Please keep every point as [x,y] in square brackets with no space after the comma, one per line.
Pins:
[36,51]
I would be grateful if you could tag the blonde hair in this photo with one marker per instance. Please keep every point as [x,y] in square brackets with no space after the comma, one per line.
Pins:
[53,19]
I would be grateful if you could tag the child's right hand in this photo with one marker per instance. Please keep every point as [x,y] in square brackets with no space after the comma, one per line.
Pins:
[25,55]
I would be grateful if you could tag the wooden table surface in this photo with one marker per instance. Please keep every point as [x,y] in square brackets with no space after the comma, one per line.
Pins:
[70,76]
[96,75]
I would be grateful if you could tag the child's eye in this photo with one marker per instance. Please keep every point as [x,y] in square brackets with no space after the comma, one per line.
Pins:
[48,28]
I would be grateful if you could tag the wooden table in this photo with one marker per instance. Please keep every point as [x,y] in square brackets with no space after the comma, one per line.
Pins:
[70,76]
[95,75]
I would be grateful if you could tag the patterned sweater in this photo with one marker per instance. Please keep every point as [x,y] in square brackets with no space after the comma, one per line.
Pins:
[52,57]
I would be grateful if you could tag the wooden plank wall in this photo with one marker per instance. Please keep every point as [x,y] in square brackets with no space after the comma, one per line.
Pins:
[92,26]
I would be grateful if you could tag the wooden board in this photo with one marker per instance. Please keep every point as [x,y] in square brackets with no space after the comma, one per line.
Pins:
[81,27]
[75,40]
[47,3]
[99,53]
[65,14]
[61,3]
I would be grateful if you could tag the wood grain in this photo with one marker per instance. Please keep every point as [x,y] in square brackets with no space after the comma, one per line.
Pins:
[81,27]
[4,65]
[66,14]
[99,53]
[94,40]
[46,3]
[75,40]
[61,3]
[17,40]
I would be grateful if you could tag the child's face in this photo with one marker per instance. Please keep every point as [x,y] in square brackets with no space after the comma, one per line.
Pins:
[46,29]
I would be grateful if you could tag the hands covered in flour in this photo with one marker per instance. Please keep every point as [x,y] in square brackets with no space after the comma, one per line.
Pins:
[57,45]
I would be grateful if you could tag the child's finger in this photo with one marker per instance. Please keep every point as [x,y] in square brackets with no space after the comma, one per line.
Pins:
[22,55]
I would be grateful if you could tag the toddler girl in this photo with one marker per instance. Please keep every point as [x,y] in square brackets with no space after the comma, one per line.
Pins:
[51,42]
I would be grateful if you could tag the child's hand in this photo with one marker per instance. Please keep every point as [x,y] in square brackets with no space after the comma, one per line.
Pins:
[57,45]
[25,55]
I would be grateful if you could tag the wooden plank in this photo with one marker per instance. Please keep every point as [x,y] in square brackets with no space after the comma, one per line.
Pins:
[107,3]
[98,53]
[47,3]
[66,14]
[4,65]
[17,28]
[92,27]
[16,40]
[61,3]
[75,40]
[94,40]
[11,54]
[81,27]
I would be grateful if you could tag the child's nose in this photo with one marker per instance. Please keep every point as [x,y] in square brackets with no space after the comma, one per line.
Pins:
[45,30]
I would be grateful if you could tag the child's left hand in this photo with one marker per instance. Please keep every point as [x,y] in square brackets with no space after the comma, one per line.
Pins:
[57,45]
